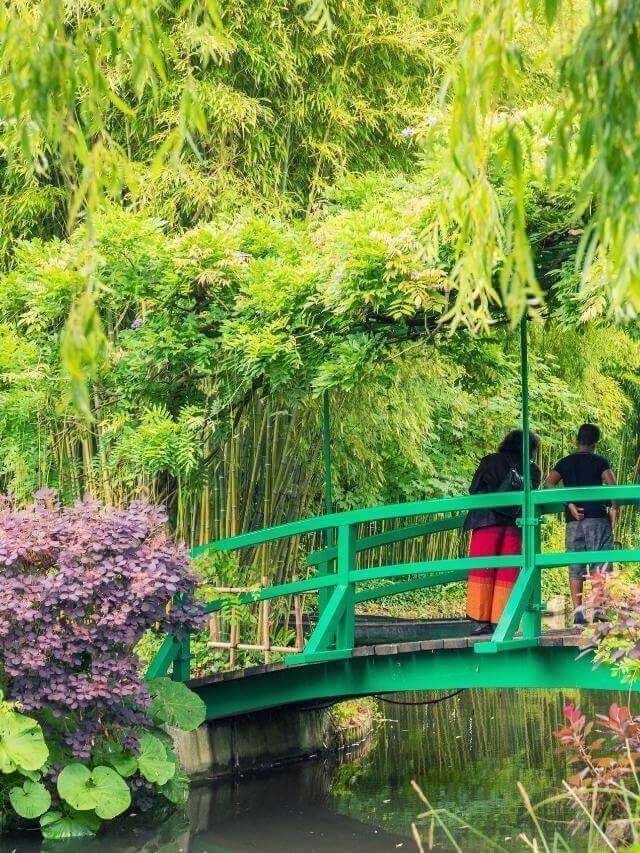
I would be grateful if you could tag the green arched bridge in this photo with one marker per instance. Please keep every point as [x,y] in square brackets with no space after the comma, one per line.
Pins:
[331,664]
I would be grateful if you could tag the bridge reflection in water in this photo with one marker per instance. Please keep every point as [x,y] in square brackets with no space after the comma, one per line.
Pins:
[330,664]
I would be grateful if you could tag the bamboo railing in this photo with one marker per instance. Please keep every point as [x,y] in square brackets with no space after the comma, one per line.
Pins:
[263,632]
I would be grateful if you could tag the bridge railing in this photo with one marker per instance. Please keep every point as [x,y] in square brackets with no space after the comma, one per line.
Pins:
[337,578]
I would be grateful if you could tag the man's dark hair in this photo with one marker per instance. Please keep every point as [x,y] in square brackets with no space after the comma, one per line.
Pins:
[588,434]
[512,442]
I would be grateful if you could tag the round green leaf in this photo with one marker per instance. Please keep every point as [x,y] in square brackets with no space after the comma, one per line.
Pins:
[101,790]
[22,743]
[112,794]
[176,790]
[6,764]
[152,761]
[175,704]
[31,800]
[73,787]
[56,826]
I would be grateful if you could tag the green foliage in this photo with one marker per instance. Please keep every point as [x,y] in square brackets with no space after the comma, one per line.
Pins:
[99,789]
[264,110]
[176,705]
[102,790]
[153,762]
[176,789]
[60,826]
[23,756]
[537,99]
[22,745]
[30,800]
[112,753]
[178,109]
[267,106]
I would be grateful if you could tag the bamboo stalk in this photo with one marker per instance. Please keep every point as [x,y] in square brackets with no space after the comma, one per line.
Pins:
[266,645]
[266,613]
[233,639]
[297,610]
[253,479]
[251,647]
[214,628]
[233,482]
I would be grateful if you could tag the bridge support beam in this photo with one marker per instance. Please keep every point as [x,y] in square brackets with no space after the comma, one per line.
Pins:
[443,669]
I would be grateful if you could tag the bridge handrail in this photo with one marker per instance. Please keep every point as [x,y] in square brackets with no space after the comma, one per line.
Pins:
[547,507]
[391,537]
[551,500]
[336,624]
[387,512]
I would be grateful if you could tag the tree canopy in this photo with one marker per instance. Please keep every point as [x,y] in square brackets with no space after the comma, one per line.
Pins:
[209,225]
[179,110]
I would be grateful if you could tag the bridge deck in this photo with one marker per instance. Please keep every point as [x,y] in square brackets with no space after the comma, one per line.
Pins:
[561,637]
[438,664]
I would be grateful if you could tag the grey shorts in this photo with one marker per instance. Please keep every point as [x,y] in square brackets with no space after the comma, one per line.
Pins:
[590,534]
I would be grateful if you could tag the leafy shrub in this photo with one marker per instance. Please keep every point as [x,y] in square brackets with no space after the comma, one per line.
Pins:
[80,587]
[605,787]
[616,639]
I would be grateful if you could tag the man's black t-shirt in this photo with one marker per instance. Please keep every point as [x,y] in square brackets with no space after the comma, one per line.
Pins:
[584,469]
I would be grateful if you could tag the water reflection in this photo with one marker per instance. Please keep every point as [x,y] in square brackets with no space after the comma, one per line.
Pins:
[467,753]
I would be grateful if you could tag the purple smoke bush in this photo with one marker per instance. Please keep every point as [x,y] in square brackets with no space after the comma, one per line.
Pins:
[80,586]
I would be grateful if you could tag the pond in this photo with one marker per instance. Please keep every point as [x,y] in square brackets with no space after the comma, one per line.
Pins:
[468,753]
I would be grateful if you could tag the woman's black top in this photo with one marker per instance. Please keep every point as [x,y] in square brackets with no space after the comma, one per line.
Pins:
[491,476]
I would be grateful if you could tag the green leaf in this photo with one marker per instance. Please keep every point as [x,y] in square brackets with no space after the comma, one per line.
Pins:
[175,704]
[101,790]
[111,792]
[22,743]
[551,10]
[57,826]
[31,800]
[112,753]
[73,786]
[34,775]
[152,761]
[176,790]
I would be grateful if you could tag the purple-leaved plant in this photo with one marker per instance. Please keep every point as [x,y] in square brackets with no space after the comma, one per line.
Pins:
[80,586]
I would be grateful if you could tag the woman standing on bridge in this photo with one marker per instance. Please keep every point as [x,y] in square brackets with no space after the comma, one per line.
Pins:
[495,532]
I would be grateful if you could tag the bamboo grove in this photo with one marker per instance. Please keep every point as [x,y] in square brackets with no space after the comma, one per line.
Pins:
[213,215]
[222,338]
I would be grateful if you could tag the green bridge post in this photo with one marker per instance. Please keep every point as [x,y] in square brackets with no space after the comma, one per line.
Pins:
[345,631]
[181,670]
[326,568]
[532,617]
[182,664]
[524,604]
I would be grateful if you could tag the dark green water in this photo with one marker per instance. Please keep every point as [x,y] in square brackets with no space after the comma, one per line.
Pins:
[467,754]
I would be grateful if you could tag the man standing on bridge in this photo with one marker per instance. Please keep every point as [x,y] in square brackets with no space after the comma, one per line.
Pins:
[590,526]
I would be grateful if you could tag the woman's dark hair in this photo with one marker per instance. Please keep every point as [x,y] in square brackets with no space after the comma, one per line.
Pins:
[512,442]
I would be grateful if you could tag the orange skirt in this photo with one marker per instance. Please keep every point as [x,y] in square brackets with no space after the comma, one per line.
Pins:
[489,589]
